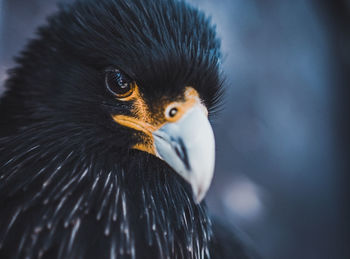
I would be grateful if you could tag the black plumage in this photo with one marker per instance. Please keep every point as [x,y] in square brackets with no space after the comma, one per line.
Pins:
[70,184]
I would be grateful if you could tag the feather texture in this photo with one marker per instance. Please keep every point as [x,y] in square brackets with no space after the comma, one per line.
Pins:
[70,184]
[72,205]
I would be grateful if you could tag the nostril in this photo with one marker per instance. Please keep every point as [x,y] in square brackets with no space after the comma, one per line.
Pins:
[173,112]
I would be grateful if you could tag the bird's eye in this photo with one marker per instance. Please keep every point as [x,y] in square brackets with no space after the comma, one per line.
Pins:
[118,83]
[172,112]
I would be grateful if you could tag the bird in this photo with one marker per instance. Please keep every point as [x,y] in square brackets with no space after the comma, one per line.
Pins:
[106,145]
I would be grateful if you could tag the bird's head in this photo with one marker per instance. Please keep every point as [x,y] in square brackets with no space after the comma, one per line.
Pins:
[173,128]
[136,75]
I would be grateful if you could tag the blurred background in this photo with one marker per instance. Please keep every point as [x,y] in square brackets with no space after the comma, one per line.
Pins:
[282,137]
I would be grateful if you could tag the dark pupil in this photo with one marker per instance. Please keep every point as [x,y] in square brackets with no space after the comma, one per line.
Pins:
[117,82]
[173,112]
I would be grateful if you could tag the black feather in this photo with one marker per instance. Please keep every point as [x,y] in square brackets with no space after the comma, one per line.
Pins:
[70,185]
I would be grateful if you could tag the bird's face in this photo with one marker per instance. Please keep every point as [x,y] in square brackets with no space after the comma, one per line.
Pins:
[175,129]
[131,75]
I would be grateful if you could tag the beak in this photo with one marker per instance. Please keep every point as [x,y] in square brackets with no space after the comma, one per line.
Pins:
[188,146]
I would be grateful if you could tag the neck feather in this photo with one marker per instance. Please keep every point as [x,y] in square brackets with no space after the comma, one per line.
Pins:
[70,204]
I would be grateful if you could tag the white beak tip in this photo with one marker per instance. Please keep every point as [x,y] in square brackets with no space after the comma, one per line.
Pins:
[198,193]
[198,197]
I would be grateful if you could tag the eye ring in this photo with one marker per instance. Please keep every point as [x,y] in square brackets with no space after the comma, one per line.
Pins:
[118,83]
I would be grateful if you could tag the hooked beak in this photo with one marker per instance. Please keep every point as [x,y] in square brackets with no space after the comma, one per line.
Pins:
[185,140]
[188,146]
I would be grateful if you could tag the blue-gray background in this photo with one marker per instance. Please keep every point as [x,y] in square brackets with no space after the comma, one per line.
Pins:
[280,168]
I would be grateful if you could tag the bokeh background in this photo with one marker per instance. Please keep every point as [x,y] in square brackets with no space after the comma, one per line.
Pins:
[282,152]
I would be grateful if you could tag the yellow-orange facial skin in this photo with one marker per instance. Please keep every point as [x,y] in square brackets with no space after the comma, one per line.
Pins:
[145,121]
